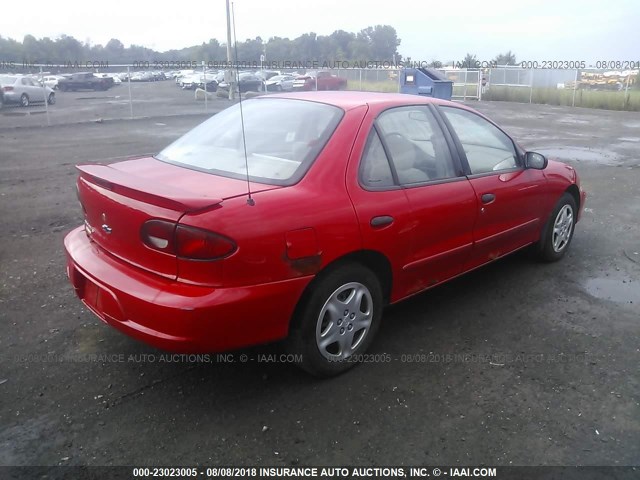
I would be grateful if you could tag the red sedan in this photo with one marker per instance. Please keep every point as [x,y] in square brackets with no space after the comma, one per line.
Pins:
[305,223]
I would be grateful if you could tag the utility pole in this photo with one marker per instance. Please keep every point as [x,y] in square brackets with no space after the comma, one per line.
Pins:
[230,72]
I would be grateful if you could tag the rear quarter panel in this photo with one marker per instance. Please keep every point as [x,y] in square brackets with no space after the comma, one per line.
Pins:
[319,202]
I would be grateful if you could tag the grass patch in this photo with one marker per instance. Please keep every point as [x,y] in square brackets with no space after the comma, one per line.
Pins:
[460,92]
[387,86]
[629,101]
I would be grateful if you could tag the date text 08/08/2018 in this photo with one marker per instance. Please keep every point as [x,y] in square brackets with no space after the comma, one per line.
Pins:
[313,472]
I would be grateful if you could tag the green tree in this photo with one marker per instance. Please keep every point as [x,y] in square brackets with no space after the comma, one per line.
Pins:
[508,58]
[114,50]
[384,42]
[279,49]
[68,49]
[470,61]
[250,50]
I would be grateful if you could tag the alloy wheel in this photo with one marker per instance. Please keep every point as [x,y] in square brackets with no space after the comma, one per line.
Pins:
[562,228]
[344,321]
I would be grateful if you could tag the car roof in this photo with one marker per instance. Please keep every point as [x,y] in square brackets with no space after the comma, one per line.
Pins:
[348,100]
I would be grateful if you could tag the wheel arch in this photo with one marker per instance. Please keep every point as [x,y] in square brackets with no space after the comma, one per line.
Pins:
[375,261]
[574,191]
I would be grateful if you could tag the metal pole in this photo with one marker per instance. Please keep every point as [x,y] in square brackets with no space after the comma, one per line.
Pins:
[204,76]
[626,92]
[530,87]
[575,86]
[229,59]
[46,100]
[129,85]
[360,79]
[464,93]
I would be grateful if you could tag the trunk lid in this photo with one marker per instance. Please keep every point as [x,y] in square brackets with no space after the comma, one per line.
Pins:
[118,199]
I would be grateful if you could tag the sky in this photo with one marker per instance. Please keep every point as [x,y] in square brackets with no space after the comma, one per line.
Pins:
[563,30]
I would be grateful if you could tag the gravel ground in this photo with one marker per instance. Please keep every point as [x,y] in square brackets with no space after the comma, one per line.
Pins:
[517,363]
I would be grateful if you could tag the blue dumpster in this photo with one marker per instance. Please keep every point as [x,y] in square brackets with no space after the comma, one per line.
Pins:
[427,82]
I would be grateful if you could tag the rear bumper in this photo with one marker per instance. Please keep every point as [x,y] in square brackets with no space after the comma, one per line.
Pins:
[11,97]
[175,316]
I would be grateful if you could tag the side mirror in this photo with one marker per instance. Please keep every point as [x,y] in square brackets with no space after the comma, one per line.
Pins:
[535,160]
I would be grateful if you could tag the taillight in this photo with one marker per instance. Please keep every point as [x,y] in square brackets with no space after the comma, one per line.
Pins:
[190,243]
[197,244]
[7,89]
[159,235]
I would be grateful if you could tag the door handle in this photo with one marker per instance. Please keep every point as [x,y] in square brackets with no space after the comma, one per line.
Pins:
[487,197]
[381,221]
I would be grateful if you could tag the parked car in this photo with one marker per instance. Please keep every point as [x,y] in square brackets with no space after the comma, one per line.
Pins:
[51,81]
[370,199]
[208,80]
[247,82]
[190,82]
[181,74]
[142,77]
[280,83]
[1,98]
[84,81]
[267,74]
[113,76]
[322,80]
[24,91]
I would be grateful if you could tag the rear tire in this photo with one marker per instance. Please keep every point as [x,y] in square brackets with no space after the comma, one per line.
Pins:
[558,232]
[52,99]
[336,320]
[24,100]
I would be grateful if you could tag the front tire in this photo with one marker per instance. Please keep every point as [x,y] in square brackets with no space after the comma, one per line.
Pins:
[336,320]
[52,99]
[558,231]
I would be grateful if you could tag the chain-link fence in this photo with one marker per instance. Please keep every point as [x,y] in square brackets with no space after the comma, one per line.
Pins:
[591,88]
[138,92]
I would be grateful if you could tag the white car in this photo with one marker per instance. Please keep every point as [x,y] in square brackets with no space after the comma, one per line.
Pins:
[188,82]
[24,90]
[116,78]
[280,83]
[181,74]
[51,81]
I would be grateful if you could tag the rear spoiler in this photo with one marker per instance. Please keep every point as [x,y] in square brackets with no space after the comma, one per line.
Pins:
[159,194]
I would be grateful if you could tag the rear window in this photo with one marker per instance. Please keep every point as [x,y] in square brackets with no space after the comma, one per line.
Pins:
[283,137]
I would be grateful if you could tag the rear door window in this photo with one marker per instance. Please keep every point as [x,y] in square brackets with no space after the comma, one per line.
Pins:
[416,145]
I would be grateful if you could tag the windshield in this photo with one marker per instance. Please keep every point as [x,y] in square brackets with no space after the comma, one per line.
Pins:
[283,137]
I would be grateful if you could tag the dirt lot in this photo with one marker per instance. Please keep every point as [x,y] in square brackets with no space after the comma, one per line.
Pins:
[515,364]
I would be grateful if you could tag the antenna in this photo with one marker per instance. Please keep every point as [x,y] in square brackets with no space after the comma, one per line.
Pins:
[250,200]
